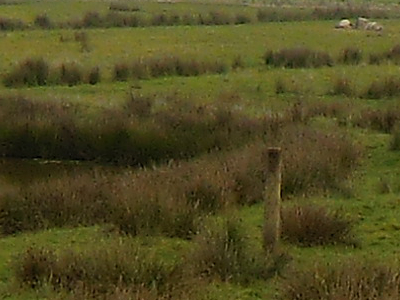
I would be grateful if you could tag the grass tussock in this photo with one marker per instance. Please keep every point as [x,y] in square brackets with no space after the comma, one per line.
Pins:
[343,87]
[12,24]
[222,251]
[306,167]
[38,72]
[70,74]
[284,86]
[299,57]
[383,120]
[95,272]
[311,225]
[350,56]
[30,72]
[167,65]
[395,140]
[121,72]
[43,21]
[119,6]
[392,55]
[384,88]
[83,39]
[353,280]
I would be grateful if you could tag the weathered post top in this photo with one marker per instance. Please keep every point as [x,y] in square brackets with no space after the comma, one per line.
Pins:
[274,158]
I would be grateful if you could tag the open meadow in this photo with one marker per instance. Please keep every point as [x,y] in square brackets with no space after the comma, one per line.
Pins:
[133,139]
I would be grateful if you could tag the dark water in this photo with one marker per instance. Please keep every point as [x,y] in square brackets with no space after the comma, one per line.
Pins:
[26,171]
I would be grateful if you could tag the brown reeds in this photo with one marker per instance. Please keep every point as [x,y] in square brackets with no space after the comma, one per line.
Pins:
[353,280]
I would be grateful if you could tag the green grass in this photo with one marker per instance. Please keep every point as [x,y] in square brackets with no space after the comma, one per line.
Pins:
[113,45]
[373,202]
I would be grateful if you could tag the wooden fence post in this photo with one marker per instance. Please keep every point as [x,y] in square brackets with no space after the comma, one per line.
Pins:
[272,200]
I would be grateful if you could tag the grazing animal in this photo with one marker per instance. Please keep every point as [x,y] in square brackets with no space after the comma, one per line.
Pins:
[344,24]
[361,23]
[373,26]
[365,24]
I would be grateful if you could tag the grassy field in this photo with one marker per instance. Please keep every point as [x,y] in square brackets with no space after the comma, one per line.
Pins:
[151,187]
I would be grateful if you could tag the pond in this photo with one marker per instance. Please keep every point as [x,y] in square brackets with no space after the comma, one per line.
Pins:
[20,172]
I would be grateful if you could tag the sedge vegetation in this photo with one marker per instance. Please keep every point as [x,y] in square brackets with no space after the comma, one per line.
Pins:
[133,138]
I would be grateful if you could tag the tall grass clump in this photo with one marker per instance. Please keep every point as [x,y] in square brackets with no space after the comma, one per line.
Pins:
[376,58]
[167,65]
[83,39]
[384,88]
[394,54]
[281,14]
[299,57]
[306,169]
[383,120]
[121,72]
[93,271]
[350,56]
[242,18]
[224,252]
[118,6]
[92,19]
[309,225]
[218,17]
[352,280]
[12,24]
[37,72]
[30,72]
[70,74]
[343,86]
[281,86]
[43,21]
[117,19]
[395,140]
[94,76]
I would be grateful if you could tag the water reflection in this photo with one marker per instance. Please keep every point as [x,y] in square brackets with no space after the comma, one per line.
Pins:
[25,171]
